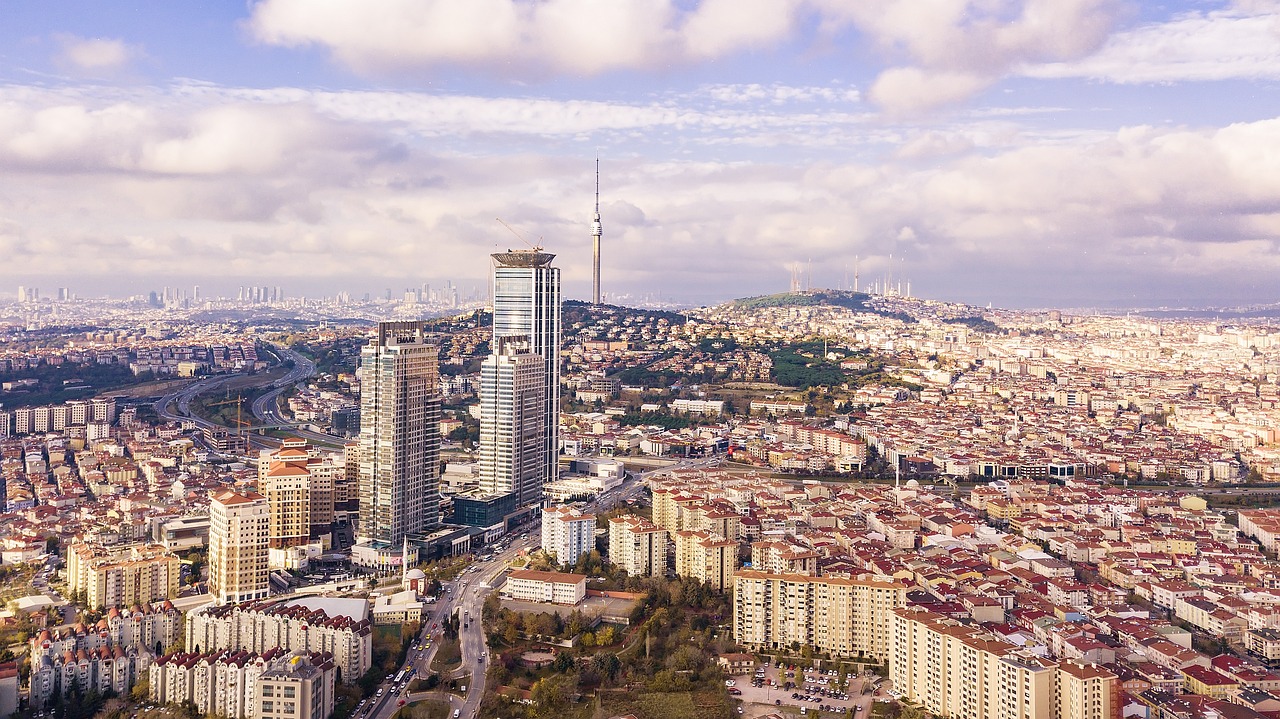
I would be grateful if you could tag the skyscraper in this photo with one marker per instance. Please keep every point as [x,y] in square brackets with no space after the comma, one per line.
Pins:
[513,416]
[597,231]
[526,302]
[238,526]
[399,440]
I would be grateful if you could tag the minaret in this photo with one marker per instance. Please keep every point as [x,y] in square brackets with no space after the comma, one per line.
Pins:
[596,232]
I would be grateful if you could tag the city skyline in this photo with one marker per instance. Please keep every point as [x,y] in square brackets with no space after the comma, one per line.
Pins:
[1026,153]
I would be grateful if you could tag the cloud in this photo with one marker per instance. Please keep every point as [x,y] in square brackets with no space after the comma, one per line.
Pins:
[949,50]
[1239,42]
[94,56]
[518,38]
[332,187]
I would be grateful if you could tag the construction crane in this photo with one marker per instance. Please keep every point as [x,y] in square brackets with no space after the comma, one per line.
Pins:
[239,402]
[535,248]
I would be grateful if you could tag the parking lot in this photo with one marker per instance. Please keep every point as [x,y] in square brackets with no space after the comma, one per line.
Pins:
[816,691]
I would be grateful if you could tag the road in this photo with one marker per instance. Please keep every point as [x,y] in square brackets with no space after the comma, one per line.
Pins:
[465,595]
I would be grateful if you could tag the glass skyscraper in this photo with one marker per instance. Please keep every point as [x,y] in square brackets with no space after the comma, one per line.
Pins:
[526,303]
[399,477]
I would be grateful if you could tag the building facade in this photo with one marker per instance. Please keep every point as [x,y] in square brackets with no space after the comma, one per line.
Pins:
[128,575]
[843,615]
[963,672]
[526,303]
[238,531]
[399,436]
[707,557]
[340,628]
[638,546]
[245,685]
[513,417]
[551,587]
[567,533]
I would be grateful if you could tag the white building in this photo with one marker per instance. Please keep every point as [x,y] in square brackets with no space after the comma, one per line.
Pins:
[567,533]
[638,546]
[552,587]
[513,417]
[238,527]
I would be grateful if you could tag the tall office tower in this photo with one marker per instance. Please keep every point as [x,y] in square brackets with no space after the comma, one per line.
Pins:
[596,232]
[238,525]
[399,440]
[513,416]
[195,293]
[526,302]
[22,294]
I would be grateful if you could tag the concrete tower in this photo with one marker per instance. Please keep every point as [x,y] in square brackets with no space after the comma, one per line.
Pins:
[596,233]
[513,416]
[399,476]
[526,303]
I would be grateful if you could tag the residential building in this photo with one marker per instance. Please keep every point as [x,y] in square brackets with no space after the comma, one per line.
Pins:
[707,557]
[567,533]
[399,441]
[238,529]
[122,575]
[339,627]
[244,685]
[845,615]
[638,546]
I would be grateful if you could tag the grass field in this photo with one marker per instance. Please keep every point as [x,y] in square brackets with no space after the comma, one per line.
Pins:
[667,705]
[429,709]
[448,656]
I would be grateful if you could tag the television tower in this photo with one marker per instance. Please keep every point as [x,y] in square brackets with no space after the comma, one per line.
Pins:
[596,232]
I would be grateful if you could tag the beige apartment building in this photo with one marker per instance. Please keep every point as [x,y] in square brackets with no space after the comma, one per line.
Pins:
[122,576]
[300,489]
[238,530]
[963,672]
[843,615]
[638,546]
[707,557]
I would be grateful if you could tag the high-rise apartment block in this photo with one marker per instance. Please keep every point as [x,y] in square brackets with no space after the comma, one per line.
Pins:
[844,615]
[526,303]
[238,529]
[964,672]
[300,487]
[399,441]
[567,533]
[513,417]
[638,546]
[707,557]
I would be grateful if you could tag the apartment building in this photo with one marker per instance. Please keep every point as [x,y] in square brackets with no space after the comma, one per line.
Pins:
[122,576]
[82,660]
[238,529]
[963,672]
[707,557]
[567,533]
[778,557]
[300,489]
[638,546]
[244,685]
[340,627]
[844,615]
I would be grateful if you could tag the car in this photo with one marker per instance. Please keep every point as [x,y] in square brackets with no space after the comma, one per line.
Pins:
[400,703]
[456,714]
[735,692]
[740,710]
[729,682]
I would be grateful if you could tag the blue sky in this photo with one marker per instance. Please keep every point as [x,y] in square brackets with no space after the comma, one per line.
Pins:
[1027,153]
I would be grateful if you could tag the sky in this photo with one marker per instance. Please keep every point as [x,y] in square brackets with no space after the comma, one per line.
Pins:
[1024,153]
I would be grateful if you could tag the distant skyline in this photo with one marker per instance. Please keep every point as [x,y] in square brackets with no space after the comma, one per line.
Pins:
[1026,153]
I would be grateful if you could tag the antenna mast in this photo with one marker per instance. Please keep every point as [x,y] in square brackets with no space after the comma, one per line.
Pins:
[597,232]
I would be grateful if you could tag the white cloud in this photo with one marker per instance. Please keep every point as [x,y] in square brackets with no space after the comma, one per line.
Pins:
[94,55]
[519,38]
[953,49]
[1242,41]
[310,184]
